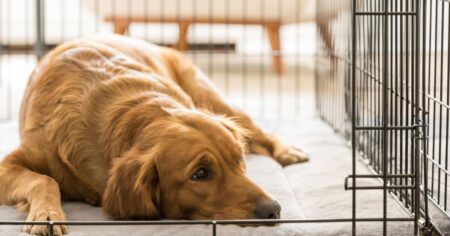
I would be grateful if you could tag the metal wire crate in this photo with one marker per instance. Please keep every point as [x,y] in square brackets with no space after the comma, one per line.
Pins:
[382,71]
[393,103]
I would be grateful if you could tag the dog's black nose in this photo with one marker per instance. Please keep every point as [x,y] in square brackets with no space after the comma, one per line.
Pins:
[268,210]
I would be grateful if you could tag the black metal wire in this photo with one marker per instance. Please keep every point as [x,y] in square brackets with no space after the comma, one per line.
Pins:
[204,222]
[261,62]
[297,64]
[40,30]
[146,35]
[8,81]
[227,48]
[210,42]
[447,114]
[385,111]
[417,133]
[129,8]
[433,146]
[441,85]
[194,31]
[353,114]
[244,56]
[279,54]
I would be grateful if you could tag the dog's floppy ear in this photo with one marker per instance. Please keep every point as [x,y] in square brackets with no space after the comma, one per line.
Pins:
[231,124]
[133,191]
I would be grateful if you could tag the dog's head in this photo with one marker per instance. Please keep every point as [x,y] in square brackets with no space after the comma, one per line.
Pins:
[188,166]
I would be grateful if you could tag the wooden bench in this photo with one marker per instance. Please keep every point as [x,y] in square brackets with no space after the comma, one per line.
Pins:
[121,25]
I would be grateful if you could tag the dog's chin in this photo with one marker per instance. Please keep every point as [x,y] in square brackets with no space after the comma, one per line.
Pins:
[258,224]
[222,216]
[249,218]
[228,217]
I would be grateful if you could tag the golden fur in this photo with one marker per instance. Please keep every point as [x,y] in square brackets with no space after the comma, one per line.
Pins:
[122,123]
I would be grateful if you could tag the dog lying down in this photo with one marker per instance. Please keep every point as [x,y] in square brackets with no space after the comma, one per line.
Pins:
[137,129]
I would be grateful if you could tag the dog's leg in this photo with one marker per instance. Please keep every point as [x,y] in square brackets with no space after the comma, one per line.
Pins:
[204,95]
[283,153]
[38,193]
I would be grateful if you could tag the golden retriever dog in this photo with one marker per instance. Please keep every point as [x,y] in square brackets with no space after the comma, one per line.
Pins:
[137,129]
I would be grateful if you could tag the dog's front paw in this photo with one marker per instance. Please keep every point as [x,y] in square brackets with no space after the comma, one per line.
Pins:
[47,214]
[291,155]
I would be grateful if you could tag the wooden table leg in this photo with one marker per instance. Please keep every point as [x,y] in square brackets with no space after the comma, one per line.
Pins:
[273,31]
[182,44]
[121,26]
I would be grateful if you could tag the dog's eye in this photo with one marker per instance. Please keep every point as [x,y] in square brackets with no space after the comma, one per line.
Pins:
[201,174]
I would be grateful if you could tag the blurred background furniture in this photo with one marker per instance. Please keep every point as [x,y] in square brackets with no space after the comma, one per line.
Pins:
[271,15]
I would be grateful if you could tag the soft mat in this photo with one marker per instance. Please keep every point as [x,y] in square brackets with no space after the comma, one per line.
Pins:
[309,190]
